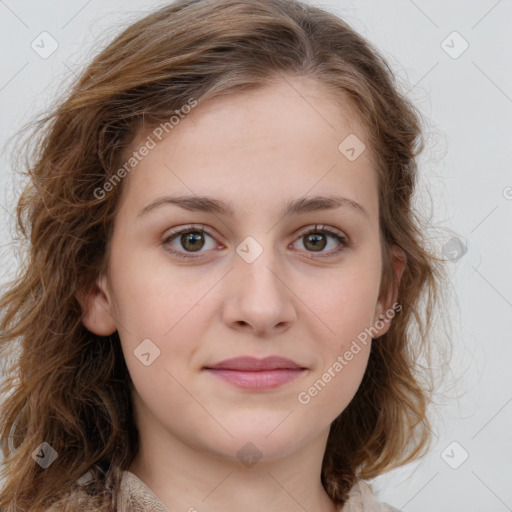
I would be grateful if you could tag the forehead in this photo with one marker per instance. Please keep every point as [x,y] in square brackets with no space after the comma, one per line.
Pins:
[278,142]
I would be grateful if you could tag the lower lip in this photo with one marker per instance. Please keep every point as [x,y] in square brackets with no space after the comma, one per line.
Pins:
[265,379]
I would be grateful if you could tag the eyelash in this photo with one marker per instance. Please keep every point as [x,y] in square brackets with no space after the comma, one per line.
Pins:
[200,228]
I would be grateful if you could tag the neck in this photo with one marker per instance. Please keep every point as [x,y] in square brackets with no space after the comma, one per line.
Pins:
[184,478]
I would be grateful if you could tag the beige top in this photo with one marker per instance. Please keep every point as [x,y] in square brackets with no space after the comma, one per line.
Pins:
[136,496]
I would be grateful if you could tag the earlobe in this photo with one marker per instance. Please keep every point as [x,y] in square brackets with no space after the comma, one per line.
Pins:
[97,309]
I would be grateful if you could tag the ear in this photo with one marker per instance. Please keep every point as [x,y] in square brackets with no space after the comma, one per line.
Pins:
[384,312]
[97,309]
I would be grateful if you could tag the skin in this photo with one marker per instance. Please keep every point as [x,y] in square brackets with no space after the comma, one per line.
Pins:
[257,151]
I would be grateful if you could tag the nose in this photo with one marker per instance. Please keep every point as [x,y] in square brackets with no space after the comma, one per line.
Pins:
[260,301]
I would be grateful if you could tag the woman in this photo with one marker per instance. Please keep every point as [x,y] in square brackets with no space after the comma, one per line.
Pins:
[224,268]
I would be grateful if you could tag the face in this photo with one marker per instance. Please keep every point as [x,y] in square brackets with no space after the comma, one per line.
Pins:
[238,276]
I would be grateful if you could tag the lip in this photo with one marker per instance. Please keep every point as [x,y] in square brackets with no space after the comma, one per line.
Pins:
[257,374]
[253,364]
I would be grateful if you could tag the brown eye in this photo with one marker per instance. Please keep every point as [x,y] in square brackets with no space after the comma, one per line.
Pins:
[188,241]
[318,239]
[193,241]
[315,241]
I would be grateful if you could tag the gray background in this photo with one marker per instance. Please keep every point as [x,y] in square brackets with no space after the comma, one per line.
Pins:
[466,178]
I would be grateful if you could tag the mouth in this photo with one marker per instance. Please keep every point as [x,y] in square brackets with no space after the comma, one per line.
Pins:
[257,374]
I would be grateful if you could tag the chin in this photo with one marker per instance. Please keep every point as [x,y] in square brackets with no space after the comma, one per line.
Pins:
[255,440]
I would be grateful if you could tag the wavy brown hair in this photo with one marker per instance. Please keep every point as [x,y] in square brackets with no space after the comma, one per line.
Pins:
[70,388]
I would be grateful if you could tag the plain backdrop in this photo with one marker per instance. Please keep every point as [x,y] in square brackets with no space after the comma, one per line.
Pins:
[453,60]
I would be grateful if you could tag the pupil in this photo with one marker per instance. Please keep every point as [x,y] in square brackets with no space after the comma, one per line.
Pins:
[316,241]
[191,239]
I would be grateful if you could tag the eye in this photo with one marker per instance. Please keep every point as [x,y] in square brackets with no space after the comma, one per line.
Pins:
[185,242]
[317,239]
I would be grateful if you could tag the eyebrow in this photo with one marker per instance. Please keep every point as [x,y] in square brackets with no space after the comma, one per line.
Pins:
[295,207]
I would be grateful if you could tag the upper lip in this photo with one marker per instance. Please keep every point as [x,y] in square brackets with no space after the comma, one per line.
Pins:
[254,364]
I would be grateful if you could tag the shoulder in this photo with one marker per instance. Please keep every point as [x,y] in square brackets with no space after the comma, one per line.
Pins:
[362,499]
[135,496]
[131,496]
[75,501]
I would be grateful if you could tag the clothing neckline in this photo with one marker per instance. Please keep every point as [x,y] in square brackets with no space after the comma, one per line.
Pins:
[136,496]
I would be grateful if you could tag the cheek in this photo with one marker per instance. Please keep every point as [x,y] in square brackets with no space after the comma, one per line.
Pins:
[344,357]
[153,299]
[346,305]
[332,390]
[345,302]
[152,309]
